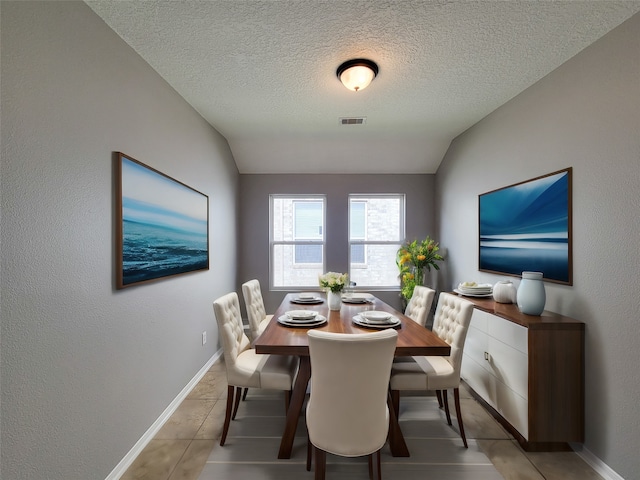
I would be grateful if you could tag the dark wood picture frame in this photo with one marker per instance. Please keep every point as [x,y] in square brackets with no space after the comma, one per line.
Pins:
[162,225]
[527,226]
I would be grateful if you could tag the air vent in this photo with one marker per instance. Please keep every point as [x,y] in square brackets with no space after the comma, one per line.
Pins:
[353,120]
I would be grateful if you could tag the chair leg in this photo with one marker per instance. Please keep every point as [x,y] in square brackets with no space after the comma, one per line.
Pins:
[456,396]
[446,406]
[439,395]
[375,471]
[244,395]
[235,407]
[321,463]
[227,415]
[309,450]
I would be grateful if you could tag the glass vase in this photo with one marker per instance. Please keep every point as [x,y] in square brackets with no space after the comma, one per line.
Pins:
[334,299]
[418,275]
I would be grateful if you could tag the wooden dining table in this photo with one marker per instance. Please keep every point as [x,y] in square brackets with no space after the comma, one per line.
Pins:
[278,339]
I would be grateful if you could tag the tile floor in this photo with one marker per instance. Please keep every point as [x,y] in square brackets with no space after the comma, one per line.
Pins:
[181,448]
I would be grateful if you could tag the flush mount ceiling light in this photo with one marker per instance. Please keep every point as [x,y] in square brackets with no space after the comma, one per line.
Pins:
[357,74]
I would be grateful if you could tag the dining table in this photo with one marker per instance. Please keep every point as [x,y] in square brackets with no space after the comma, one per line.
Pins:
[283,339]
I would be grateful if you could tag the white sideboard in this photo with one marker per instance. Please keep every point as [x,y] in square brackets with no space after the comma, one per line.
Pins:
[529,371]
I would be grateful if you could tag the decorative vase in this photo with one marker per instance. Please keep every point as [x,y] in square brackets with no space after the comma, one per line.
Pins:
[334,299]
[505,292]
[531,295]
[418,275]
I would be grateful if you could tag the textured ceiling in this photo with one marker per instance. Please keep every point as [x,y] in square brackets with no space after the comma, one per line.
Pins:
[263,72]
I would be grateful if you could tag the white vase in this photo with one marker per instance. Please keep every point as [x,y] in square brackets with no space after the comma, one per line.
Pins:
[531,295]
[334,299]
[505,292]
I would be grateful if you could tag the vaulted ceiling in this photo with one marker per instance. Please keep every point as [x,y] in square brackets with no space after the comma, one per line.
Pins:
[263,72]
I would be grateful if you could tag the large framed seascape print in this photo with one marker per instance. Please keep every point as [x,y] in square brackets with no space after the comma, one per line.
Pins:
[527,227]
[162,225]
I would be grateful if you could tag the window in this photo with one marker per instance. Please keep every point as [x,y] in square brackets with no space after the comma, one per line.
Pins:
[307,225]
[357,229]
[376,231]
[297,240]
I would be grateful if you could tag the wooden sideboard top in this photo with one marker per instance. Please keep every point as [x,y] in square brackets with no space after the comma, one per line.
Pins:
[509,311]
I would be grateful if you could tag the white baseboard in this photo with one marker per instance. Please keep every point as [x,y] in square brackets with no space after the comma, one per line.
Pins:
[128,459]
[604,470]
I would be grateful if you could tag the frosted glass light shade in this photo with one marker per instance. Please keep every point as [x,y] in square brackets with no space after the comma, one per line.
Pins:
[357,74]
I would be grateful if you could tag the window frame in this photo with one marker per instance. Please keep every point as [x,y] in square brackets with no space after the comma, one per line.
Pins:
[401,233]
[321,198]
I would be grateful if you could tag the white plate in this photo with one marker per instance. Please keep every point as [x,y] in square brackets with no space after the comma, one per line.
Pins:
[475,290]
[357,298]
[301,314]
[479,287]
[308,301]
[376,316]
[477,295]
[303,295]
[315,322]
[363,322]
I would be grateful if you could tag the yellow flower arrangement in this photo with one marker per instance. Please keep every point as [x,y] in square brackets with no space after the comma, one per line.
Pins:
[411,259]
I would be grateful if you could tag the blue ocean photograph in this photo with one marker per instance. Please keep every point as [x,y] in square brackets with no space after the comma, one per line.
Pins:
[526,227]
[164,225]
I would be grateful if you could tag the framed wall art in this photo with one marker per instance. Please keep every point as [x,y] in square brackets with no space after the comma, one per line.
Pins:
[162,225]
[527,227]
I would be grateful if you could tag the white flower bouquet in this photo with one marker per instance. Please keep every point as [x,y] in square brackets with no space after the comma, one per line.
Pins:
[333,281]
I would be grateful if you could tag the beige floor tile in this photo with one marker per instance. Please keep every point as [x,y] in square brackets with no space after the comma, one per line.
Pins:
[186,420]
[158,459]
[478,423]
[193,460]
[218,366]
[509,460]
[464,391]
[212,385]
[565,465]
[211,428]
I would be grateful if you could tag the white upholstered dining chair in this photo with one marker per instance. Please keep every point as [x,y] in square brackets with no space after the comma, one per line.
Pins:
[347,412]
[419,305]
[451,322]
[245,367]
[417,310]
[254,303]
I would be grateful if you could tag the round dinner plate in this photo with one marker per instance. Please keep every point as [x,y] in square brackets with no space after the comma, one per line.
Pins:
[363,322]
[314,322]
[301,314]
[375,316]
[355,300]
[477,295]
[307,300]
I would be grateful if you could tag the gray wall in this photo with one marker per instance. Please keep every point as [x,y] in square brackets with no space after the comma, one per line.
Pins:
[86,369]
[586,114]
[254,213]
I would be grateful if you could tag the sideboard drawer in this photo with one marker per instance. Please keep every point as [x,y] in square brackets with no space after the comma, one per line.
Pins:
[507,332]
[509,366]
[513,407]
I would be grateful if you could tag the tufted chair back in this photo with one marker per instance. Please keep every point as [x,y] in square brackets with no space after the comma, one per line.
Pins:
[420,304]
[451,323]
[232,336]
[255,307]
[347,413]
